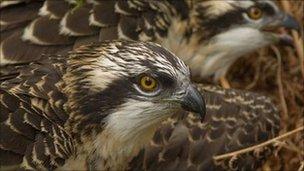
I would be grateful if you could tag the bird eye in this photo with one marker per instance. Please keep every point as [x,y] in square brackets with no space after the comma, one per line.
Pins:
[148,83]
[255,13]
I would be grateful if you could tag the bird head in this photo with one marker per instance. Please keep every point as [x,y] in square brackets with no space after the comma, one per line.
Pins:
[127,88]
[232,18]
[222,31]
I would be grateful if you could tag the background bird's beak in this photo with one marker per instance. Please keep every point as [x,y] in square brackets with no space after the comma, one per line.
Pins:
[289,22]
[284,21]
[194,102]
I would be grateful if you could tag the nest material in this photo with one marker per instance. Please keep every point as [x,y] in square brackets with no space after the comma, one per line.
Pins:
[279,72]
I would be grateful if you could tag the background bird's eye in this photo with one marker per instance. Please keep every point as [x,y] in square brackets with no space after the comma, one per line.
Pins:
[148,83]
[255,13]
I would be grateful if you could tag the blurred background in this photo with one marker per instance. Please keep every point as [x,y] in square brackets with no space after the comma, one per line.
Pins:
[279,72]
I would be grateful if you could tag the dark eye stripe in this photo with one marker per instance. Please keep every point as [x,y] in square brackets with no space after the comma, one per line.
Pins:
[165,80]
[223,22]
[268,9]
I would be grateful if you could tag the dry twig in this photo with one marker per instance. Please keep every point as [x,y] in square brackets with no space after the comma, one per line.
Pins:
[297,40]
[279,82]
[257,71]
[246,150]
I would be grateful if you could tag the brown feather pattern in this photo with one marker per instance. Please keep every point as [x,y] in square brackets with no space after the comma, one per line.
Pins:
[33,116]
[32,120]
[60,23]
[32,108]
[230,124]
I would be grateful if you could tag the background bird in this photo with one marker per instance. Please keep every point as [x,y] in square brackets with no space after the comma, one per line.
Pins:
[56,89]
[230,104]
[13,24]
[208,35]
[94,111]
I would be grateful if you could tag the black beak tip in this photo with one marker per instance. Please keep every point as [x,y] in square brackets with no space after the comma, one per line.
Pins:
[201,111]
[290,22]
[194,102]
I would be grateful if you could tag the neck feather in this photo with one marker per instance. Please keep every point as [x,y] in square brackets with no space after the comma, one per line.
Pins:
[125,132]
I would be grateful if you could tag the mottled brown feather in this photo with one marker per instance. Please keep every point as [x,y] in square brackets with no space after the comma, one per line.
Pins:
[234,120]
[231,122]
[65,23]
[57,8]
[12,19]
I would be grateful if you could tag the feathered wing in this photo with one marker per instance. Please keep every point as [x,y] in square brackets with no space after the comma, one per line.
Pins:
[32,120]
[35,27]
[29,28]
[33,117]
[234,120]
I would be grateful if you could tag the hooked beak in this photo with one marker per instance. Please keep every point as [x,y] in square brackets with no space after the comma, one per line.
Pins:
[194,102]
[285,21]
[291,23]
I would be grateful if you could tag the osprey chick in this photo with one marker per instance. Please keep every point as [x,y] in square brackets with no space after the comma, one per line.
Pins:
[234,119]
[95,110]
[208,35]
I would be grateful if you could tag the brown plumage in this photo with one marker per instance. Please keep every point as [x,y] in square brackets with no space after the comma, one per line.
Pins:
[34,112]
[72,114]
[234,120]
[205,34]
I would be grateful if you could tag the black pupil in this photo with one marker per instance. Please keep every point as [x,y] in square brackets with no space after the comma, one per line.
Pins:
[256,12]
[148,81]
